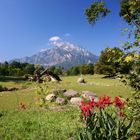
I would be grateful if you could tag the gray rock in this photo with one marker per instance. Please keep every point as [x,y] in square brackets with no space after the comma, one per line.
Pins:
[50,97]
[60,101]
[76,101]
[70,93]
[81,80]
[57,91]
[88,95]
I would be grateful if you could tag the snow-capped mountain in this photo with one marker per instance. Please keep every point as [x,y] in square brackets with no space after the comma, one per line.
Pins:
[64,54]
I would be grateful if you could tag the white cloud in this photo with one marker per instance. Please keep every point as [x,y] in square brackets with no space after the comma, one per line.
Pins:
[55,38]
[58,42]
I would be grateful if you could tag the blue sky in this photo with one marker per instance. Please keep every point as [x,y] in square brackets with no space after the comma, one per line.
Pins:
[27,25]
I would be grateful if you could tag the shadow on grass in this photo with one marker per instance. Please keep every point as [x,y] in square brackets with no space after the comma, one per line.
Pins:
[109,77]
[11,78]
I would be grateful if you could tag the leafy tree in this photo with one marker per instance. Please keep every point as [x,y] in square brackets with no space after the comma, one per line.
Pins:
[52,68]
[81,69]
[108,62]
[76,70]
[56,70]
[90,68]
[130,12]
[29,69]
[16,69]
[4,68]
[95,11]
[15,64]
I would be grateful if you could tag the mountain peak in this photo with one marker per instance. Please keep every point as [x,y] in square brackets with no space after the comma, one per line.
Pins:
[64,54]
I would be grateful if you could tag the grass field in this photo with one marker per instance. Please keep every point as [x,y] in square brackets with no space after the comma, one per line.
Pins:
[39,124]
[26,92]
[96,83]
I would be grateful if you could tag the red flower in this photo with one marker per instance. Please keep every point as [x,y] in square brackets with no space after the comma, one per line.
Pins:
[100,103]
[82,103]
[122,114]
[86,108]
[104,101]
[118,102]
[83,108]
[107,100]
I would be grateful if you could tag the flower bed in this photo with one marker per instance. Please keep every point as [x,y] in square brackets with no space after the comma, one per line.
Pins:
[104,119]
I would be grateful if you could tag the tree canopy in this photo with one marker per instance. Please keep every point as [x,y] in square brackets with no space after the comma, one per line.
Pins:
[130,12]
[81,69]
[109,64]
[16,69]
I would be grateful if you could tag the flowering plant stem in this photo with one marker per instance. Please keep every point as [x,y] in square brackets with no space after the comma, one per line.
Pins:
[104,120]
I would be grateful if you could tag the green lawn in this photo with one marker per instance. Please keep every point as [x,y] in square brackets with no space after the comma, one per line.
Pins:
[26,92]
[96,83]
[39,125]
[59,123]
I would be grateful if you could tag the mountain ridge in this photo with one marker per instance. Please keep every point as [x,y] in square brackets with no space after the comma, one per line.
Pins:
[66,55]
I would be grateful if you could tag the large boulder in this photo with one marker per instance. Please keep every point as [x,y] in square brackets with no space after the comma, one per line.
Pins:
[81,80]
[60,101]
[50,97]
[76,101]
[70,93]
[88,95]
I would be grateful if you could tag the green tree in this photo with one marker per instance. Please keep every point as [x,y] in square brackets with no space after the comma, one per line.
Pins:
[56,70]
[4,68]
[108,62]
[29,69]
[15,64]
[81,69]
[15,72]
[90,68]
[130,12]
[95,11]
[74,70]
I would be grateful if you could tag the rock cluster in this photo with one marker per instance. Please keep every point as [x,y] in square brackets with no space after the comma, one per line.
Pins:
[63,96]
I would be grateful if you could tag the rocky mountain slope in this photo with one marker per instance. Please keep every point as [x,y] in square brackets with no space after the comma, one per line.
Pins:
[65,55]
